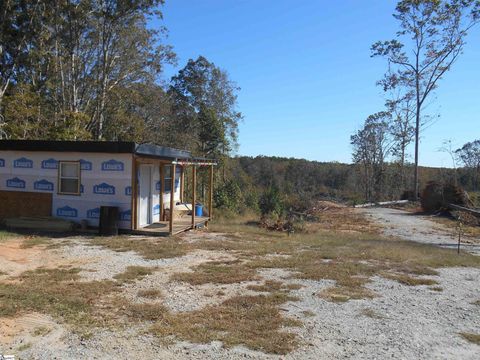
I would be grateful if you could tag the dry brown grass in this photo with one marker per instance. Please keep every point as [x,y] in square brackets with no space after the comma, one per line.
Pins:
[470,232]
[371,314]
[148,248]
[253,321]
[150,294]
[476,302]
[272,285]
[133,273]
[56,292]
[473,338]
[219,272]
[409,280]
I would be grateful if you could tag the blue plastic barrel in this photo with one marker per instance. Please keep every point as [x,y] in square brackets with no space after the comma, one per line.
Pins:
[198,210]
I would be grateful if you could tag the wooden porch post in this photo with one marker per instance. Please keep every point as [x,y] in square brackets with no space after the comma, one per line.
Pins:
[194,193]
[182,184]
[162,190]
[133,214]
[210,198]
[172,196]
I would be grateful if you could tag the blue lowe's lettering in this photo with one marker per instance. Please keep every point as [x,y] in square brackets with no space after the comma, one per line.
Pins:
[128,191]
[67,211]
[125,215]
[23,163]
[104,189]
[156,210]
[158,185]
[2,162]
[43,185]
[50,164]
[16,183]
[85,165]
[93,213]
[112,165]
[81,189]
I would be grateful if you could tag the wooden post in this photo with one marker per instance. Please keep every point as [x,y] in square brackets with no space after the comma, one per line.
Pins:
[210,199]
[162,190]
[172,197]
[133,209]
[194,193]
[182,185]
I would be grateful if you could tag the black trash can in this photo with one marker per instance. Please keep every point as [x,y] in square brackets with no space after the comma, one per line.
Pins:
[108,221]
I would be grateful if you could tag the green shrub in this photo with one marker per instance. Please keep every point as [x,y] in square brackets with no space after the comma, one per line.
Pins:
[271,202]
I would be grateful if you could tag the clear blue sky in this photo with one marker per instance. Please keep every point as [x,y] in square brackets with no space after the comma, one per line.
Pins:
[307,80]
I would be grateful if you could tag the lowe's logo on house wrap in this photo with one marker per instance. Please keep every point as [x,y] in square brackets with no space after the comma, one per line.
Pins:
[16,183]
[67,211]
[93,213]
[2,163]
[104,189]
[128,191]
[23,163]
[158,185]
[112,165]
[50,164]
[81,188]
[156,210]
[43,185]
[125,215]
[85,165]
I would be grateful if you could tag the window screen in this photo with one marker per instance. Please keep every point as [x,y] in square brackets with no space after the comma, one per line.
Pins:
[69,177]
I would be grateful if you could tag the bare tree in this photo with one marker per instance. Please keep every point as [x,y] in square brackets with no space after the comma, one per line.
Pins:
[371,146]
[434,32]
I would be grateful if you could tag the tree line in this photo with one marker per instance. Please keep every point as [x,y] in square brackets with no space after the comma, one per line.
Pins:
[92,69]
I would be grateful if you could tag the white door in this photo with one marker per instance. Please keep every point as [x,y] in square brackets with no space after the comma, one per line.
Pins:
[145,199]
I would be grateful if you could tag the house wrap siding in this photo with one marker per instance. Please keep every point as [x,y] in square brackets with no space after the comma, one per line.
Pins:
[105,180]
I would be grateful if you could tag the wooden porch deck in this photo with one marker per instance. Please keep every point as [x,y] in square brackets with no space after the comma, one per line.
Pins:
[180,225]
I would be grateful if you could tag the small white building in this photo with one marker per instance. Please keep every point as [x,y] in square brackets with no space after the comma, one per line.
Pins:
[72,179]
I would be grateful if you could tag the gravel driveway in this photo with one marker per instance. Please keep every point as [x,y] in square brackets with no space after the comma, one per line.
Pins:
[414,227]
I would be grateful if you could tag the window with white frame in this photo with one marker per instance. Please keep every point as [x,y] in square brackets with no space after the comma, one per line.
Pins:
[69,177]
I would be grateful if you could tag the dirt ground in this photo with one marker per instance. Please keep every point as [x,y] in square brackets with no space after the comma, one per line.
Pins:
[403,322]
[420,228]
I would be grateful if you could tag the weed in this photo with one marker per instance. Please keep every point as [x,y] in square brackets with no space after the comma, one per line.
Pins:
[473,338]
[409,280]
[371,314]
[133,273]
[150,294]
[41,331]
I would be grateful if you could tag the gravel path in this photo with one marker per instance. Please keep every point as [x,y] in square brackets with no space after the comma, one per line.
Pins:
[410,226]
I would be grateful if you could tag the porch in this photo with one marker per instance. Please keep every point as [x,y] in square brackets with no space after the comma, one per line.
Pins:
[159,185]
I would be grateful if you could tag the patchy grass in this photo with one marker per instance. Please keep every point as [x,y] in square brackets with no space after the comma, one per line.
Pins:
[148,248]
[133,273]
[436,288]
[150,294]
[371,314]
[7,235]
[56,292]
[24,347]
[32,241]
[409,280]
[272,286]
[308,313]
[476,302]
[473,338]
[348,258]
[253,321]
[41,331]
[218,272]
